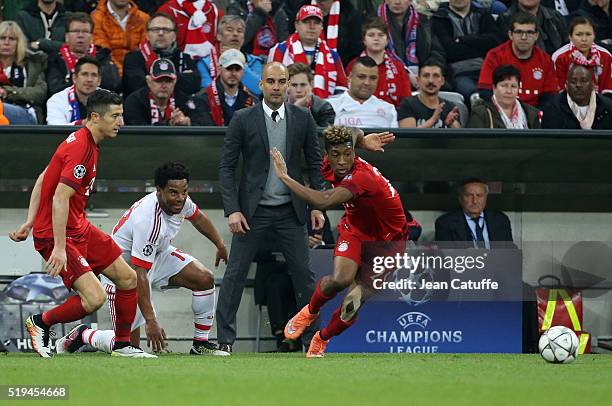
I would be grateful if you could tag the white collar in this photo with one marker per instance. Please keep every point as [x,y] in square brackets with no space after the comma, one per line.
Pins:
[269,111]
[468,218]
[121,21]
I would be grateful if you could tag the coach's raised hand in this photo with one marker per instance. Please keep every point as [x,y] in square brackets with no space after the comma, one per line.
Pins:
[237,223]
[57,261]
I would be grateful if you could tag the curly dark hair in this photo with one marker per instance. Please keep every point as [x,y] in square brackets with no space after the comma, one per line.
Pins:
[336,135]
[171,170]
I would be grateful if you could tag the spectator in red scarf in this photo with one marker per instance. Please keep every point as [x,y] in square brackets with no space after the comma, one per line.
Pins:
[582,50]
[227,94]
[160,103]
[393,83]
[306,46]
[79,30]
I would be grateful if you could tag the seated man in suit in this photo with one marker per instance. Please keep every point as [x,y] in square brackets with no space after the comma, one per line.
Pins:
[473,223]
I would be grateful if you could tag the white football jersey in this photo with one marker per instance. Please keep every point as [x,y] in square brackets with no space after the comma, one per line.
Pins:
[373,113]
[145,229]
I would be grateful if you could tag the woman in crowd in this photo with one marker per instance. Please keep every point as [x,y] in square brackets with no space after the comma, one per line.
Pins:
[22,81]
[504,110]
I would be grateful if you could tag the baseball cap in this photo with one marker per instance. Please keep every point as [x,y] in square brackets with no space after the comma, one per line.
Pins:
[162,68]
[309,10]
[232,57]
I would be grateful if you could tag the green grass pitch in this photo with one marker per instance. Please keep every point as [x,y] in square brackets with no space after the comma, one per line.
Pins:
[338,379]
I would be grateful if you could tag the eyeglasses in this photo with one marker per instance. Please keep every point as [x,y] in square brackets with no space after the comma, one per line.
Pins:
[80,32]
[8,38]
[522,33]
[160,30]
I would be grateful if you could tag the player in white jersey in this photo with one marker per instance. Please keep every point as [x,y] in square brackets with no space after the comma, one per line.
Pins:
[145,233]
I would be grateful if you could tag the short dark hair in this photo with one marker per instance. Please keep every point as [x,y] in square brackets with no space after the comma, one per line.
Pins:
[366,61]
[86,59]
[503,72]
[467,181]
[336,135]
[522,17]
[578,21]
[432,62]
[375,23]
[101,100]
[297,68]
[80,17]
[162,15]
[171,170]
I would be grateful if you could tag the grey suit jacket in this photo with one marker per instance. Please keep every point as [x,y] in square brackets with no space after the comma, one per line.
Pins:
[247,135]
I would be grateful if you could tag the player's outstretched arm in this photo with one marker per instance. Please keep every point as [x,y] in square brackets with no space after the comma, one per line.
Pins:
[59,216]
[156,335]
[319,200]
[208,229]
[22,233]
[372,142]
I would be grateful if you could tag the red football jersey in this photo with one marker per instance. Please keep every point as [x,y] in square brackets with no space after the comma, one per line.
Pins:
[73,164]
[376,209]
[537,72]
[602,72]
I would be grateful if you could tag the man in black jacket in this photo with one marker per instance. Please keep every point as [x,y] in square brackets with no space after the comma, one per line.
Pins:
[160,43]
[79,29]
[159,104]
[228,94]
[579,107]
[551,25]
[466,33]
[473,225]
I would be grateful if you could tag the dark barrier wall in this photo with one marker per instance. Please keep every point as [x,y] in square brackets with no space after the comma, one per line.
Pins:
[538,170]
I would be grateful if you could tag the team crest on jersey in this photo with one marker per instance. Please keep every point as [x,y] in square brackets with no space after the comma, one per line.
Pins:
[343,246]
[83,262]
[147,250]
[79,171]
[538,74]
[206,28]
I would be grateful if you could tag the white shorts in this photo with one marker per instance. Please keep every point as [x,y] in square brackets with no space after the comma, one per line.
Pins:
[166,264]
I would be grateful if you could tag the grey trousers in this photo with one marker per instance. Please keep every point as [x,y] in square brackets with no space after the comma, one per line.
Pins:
[292,238]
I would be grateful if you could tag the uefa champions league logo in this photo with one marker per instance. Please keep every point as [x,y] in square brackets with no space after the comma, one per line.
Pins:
[414,297]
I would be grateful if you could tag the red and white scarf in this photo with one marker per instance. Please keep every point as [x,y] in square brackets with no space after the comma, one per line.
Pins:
[148,53]
[214,101]
[593,62]
[156,113]
[517,119]
[17,76]
[388,81]
[201,33]
[69,57]
[325,71]
[333,21]
[265,37]
[410,35]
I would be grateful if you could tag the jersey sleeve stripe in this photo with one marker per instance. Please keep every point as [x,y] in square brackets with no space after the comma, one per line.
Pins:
[70,182]
[156,226]
[195,213]
[143,264]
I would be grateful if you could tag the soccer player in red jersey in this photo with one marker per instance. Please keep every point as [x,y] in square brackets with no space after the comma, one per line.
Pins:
[373,213]
[72,247]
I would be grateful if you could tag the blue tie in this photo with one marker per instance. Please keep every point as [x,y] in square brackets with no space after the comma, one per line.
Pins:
[480,241]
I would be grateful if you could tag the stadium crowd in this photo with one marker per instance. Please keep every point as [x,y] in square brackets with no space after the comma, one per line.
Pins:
[362,63]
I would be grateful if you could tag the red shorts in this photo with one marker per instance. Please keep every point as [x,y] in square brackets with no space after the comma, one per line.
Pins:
[93,251]
[355,245]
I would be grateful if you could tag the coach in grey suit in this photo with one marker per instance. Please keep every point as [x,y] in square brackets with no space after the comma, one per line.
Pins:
[262,202]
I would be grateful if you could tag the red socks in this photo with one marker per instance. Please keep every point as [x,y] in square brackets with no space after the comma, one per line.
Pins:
[318,299]
[125,309]
[70,310]
[336,325]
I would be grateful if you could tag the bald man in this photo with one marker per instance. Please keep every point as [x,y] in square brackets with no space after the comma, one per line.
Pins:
[262,203]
